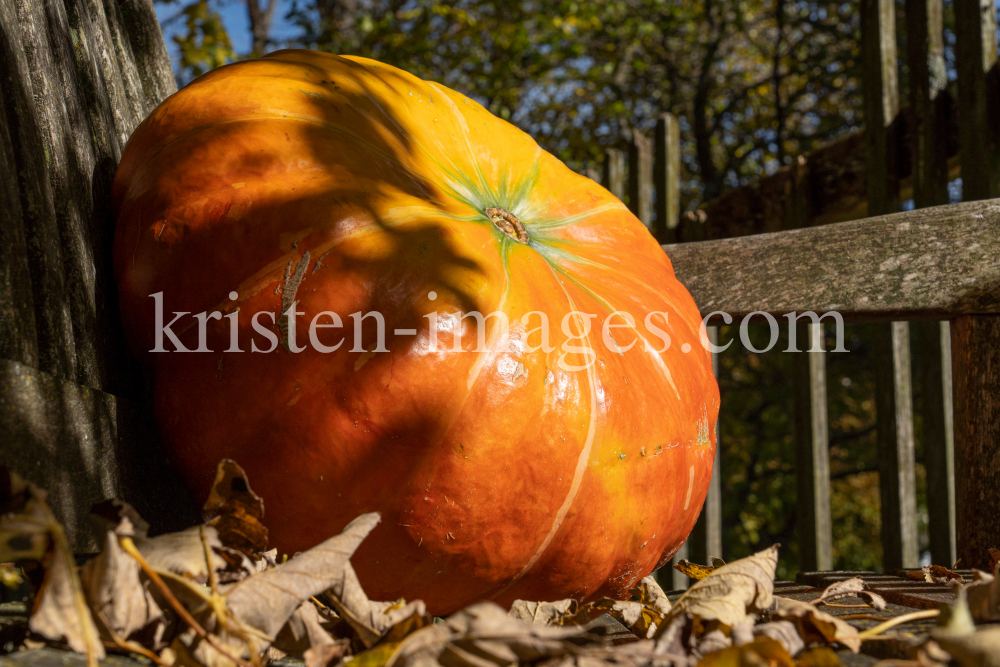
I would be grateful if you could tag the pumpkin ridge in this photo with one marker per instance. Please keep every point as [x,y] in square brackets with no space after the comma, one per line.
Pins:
[581,467]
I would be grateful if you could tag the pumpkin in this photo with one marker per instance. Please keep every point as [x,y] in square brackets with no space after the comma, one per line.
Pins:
[504,466]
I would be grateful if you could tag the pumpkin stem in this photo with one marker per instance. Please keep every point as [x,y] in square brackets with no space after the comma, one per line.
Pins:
[507,223]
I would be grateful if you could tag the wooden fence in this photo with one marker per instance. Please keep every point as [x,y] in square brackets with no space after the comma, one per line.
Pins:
[933,273]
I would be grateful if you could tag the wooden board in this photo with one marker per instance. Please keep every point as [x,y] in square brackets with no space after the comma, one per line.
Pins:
[930,263]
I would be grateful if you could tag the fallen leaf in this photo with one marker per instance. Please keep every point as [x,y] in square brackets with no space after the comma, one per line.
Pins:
[61,611]
[710,642]
[937,574]
[841,589]
[649,594]
[874,600]
[641,620]
[762,651]
[977,649]
[994,560]
[815,625]
[693,570]
[560,612]
[235,511]
[267,600]
[781,631]
[302,632]
[184,552]
[716,562]
[818,656]
[984,597]
[114,587]
[732,594]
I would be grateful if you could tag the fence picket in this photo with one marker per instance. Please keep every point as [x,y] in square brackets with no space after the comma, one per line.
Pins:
[640,178]
[893,394]
[613,172]
[976,339]
[929,107]
[666,177]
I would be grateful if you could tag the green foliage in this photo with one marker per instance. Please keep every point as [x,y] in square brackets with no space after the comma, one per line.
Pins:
[206,44]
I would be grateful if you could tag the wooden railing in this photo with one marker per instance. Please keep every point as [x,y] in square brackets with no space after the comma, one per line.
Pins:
[937,269]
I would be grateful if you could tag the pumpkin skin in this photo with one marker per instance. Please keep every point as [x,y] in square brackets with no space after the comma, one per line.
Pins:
[499,474]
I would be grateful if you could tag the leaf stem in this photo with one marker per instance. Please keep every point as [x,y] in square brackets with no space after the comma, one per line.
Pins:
[899,620]
[130,549]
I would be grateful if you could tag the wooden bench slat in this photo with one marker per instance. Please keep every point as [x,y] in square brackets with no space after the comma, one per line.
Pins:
[935,263]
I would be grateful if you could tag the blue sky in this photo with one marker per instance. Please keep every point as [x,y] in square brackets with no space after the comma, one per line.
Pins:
[234,15]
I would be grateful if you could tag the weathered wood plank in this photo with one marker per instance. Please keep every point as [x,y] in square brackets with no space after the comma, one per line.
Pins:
[613,172]
[666,176]
[976,65]
[640,178]
[78,76]
[975,353]
[933,344]
[929,150]
[976,340]
[705,540]
[896,452]
[812,451]
[84,446]
[930,263]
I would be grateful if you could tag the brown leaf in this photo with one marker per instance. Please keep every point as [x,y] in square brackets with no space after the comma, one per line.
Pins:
[693,570]
[60,611]
[874,600]
[302,632]
[984,597]
[977,649]
[560,612]
[267,600]
[840,589]
[635,616]
[326,654]
[762,651]
[649,593]
[916,575]
[236,511]
[115,590]
[732,594]
[485,632]
[815,625]
[781,631]
[183,552]
[819,656]
[936,574]
[994,560]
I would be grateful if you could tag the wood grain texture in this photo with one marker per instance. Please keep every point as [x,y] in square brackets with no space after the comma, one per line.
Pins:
[929,263]
[975,350]
[613,172]
[640,178]
[77,77]
[667,176]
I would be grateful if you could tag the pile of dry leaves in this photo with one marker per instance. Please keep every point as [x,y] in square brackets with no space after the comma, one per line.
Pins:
[211,596]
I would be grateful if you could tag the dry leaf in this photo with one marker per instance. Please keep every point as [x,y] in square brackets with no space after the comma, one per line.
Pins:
[326,654]
[183,552]
[471,637]
[115,590]
[302,632]
[560,612]
[267,600]
[815,625]
[732,594]
[762,651]
[994,560]
[977,649]
[710,642]
[841,589]
[649,593]
[781,631]
[874,600]
[819,656]
[236,512]
[984,597]
[61,611]
[693,570]
[935,574]
[641,620]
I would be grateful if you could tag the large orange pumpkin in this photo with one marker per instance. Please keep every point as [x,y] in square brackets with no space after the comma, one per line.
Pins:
[341,185]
